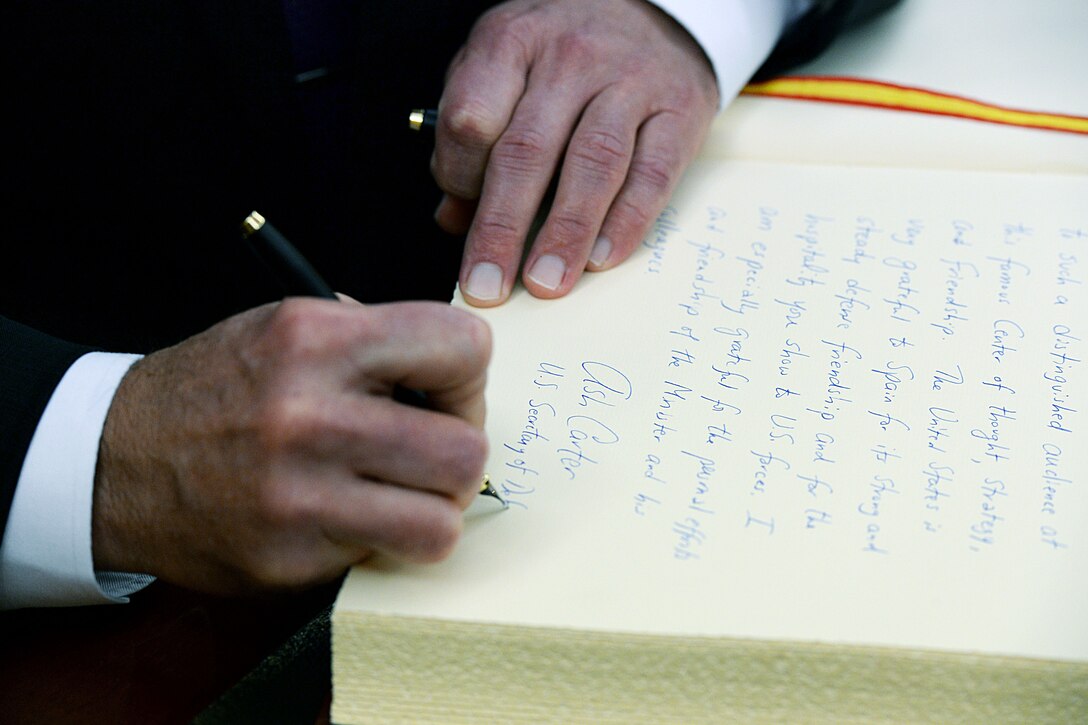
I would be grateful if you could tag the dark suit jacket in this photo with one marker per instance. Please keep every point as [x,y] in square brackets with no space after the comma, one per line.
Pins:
[140,132]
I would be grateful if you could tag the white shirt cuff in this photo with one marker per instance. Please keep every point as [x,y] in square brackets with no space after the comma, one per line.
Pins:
[736,35]
[45,557]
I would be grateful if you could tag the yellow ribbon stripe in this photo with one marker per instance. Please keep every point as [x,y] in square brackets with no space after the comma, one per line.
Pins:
[861,92]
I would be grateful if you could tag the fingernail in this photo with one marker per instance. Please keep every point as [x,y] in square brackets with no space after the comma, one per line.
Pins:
[484,281]
[548,271]
[601,249]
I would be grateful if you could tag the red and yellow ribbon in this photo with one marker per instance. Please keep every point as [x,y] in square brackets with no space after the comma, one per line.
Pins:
[863,92]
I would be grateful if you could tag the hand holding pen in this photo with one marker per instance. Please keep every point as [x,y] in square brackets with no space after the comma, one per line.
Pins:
[265,453]
[298,277]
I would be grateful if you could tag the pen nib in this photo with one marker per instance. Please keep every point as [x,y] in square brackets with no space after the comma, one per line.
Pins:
[486,489]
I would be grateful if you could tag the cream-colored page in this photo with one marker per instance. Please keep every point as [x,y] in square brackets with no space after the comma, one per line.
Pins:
[1027,56]
[817,404]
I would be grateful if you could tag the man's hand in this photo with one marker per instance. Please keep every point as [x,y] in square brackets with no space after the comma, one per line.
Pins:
[610,95]
[266,452]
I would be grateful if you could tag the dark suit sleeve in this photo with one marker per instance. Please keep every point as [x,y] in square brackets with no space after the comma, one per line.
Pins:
[814,32]
[31,365]
[120,115]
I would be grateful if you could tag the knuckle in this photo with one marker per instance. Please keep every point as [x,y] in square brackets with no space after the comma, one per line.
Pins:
[478,336]
[471,124]
[520,149]
[269,564]
[455,177]
[601,153]
[637,216]
[472,333]
[284,420]
[654,173]
[432,536]
[496,20]
[578,48]
[701,95]
[300,326]
[282,506]
[571,228]
[468,462]
[496,230]
[289,322]
[509,29]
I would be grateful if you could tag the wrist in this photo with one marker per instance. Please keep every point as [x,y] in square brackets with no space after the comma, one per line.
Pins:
[46,558]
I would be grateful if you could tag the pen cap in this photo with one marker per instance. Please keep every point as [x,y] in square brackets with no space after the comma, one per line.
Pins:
[294,273]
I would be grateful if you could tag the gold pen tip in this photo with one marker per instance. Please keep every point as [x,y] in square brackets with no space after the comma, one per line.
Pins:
[252,223]
[486,489]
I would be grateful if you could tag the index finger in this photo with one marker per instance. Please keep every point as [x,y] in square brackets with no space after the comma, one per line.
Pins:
[483,86]
[430,347]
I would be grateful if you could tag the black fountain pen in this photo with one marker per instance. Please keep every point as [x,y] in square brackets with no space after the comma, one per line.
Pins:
[298,277]
[423,119]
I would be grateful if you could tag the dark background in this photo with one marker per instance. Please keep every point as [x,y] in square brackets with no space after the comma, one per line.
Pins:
[139,134]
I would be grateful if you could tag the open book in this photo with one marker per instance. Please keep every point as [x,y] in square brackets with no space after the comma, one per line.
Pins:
[815,452]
